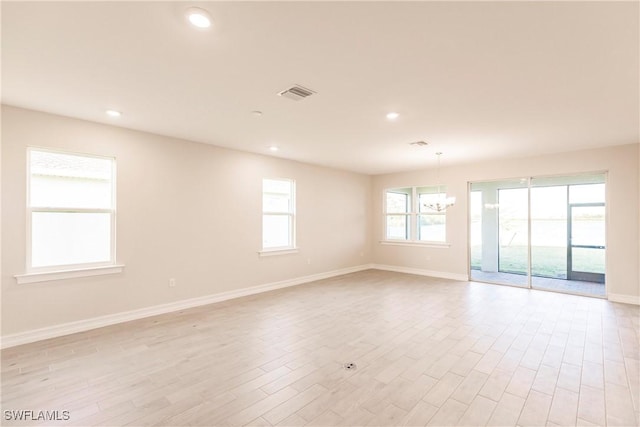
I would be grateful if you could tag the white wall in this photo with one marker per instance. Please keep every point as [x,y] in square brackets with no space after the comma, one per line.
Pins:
[192,211]
[184,210]
[623,214]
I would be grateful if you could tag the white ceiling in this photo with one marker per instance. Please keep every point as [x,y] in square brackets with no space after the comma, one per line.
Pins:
[475,80]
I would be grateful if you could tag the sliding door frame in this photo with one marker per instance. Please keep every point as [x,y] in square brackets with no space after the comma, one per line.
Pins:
[529,179]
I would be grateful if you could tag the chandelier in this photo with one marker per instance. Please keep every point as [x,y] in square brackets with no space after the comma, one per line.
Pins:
[442,202]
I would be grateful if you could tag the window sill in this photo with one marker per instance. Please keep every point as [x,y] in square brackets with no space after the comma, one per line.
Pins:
[415,244]
[273,252]
[68,274]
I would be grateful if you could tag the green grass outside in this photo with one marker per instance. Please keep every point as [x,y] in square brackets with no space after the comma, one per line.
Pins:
[547,261]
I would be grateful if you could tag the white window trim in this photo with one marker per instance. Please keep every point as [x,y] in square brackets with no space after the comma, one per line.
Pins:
[413,216]
[68,274]
[278,251]
[282,250]
[40,274]
[415,243]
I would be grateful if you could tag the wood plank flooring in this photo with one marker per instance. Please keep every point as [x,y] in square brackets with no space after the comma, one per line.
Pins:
[428,352]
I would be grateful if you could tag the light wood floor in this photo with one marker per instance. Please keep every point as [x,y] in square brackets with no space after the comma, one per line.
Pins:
[428,352]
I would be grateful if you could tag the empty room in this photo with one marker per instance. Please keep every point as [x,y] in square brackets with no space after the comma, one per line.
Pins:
[320,213]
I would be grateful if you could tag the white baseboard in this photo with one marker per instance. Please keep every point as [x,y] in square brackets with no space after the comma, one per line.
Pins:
[626,299]
[421,272]
[111,319]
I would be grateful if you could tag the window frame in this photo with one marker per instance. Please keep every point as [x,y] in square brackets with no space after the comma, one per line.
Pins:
[291,214]
[413,216]
[420,214]
[30,210]
[407,213]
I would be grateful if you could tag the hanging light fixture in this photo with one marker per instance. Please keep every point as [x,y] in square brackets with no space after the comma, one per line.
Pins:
[442,202]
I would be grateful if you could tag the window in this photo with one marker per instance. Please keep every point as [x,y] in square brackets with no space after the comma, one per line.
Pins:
[398,213]
[278,214]
[409,217]
[71,211]
[432,224]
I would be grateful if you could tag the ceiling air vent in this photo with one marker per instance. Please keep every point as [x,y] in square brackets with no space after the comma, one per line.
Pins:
[296,93]
[419,143]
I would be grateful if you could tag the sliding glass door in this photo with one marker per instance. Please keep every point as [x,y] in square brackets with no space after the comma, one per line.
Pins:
[545,233]
[499,238]
[513,233]
[548,230]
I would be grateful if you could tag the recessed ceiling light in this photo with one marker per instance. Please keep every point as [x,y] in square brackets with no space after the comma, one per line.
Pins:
[113,113]
[392,115]
[198,17]
[256,113]
[273,148]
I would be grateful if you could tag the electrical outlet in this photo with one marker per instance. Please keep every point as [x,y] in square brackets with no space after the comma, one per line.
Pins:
[172,283]
[309,261]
